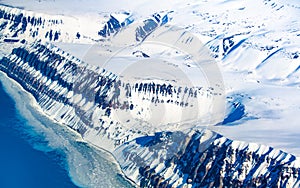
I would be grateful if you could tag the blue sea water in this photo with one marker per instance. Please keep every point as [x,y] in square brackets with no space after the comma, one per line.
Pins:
[21,164]
[37,152]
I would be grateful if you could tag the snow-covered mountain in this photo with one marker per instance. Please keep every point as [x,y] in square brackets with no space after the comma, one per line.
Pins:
[205,159]
[257,48]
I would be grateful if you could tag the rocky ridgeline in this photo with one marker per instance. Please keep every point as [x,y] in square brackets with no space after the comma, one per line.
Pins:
[18,24]
[22,25]
[205,159]
[88,100]
[84,97]
[143,29]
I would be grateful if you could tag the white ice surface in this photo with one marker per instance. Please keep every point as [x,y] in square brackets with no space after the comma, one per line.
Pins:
[268,83]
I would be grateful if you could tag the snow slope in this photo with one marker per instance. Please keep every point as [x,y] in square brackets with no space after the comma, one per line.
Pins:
[256,45]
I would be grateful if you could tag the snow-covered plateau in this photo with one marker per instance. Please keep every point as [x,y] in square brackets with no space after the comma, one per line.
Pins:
[232,123]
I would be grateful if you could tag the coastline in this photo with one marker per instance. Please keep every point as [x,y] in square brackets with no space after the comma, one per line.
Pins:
[33,103]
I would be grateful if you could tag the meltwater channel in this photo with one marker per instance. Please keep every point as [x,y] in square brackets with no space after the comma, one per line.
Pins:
[37,152]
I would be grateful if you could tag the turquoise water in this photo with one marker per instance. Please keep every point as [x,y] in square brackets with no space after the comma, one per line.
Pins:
[37,152]
[21,164]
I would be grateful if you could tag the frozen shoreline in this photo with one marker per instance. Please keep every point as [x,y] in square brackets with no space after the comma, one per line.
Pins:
[10,85]
[257,56]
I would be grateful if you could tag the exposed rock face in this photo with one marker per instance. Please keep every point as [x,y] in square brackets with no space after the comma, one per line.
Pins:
[21,25]
[113,25]
[16,23]
[65,86]
[199,158]
[84,98]
[206,159]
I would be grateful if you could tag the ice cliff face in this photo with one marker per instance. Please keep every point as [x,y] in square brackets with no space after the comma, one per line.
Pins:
[83,97]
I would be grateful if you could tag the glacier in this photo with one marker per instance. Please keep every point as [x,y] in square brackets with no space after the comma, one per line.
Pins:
[256,46]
